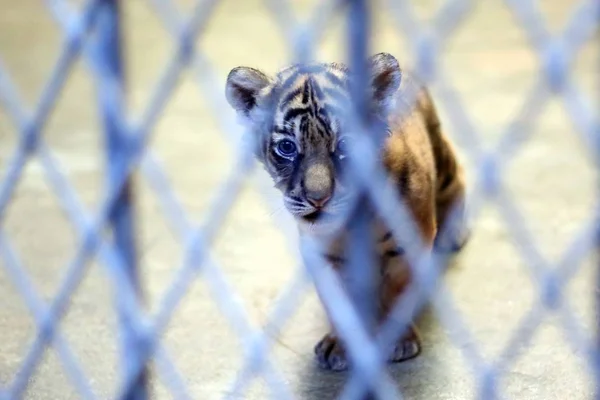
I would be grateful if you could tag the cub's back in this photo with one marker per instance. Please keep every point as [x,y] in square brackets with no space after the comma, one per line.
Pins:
[409,151]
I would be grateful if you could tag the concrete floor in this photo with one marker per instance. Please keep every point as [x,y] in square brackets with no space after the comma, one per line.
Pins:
[550,178]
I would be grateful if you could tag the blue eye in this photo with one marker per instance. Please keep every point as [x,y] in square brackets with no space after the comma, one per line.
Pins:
[342,149]
[286,148]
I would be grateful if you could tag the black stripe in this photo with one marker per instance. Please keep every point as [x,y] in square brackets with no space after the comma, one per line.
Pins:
[323,116]
[295,199]
[282,131]
[306,91]
[303,123]
[322,122]
[289,98]
[301,70]
[294,112]
[322,131]
[313,101]
[285,85]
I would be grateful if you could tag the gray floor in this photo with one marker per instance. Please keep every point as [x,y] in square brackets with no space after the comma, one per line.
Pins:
[550,179]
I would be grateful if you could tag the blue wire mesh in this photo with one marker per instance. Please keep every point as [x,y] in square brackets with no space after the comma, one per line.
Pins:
[556,53]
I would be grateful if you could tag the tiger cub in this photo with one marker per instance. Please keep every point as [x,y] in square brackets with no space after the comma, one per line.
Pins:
[302,142]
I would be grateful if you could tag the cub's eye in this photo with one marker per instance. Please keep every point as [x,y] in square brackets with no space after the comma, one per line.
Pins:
[341,149]
[286,148]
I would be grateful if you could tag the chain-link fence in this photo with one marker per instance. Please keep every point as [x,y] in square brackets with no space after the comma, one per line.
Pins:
[93,33]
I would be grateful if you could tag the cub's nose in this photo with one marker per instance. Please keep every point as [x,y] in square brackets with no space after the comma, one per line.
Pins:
[318,184]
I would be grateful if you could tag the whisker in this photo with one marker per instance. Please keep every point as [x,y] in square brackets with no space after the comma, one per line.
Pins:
[276,210]
[293,203]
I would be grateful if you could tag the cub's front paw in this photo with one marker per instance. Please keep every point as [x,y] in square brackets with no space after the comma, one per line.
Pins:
[406,348]
[331,354]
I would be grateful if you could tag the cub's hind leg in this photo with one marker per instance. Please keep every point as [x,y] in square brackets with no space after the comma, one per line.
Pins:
[396,280]
[452,224]
[397,275]
[453,229]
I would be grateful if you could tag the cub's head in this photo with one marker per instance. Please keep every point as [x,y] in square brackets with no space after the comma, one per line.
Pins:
[299,133]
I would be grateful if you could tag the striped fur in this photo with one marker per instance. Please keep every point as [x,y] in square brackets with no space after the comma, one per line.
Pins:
[300,132]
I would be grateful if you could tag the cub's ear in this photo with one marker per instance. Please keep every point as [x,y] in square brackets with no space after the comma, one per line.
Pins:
[242,88]
[385,78]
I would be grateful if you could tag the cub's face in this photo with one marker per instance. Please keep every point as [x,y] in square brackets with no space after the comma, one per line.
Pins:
[300,134]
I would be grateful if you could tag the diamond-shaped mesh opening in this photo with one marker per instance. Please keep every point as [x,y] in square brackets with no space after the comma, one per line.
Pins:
[41,39]
[50,379]
[253,221]
[470,60]
[227,47]
[74,142]
[529,378]
[186,137]
[556,17]
[539,181]
[143,67]
[159,249]
[94,303]
[211,341]
[33,217]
